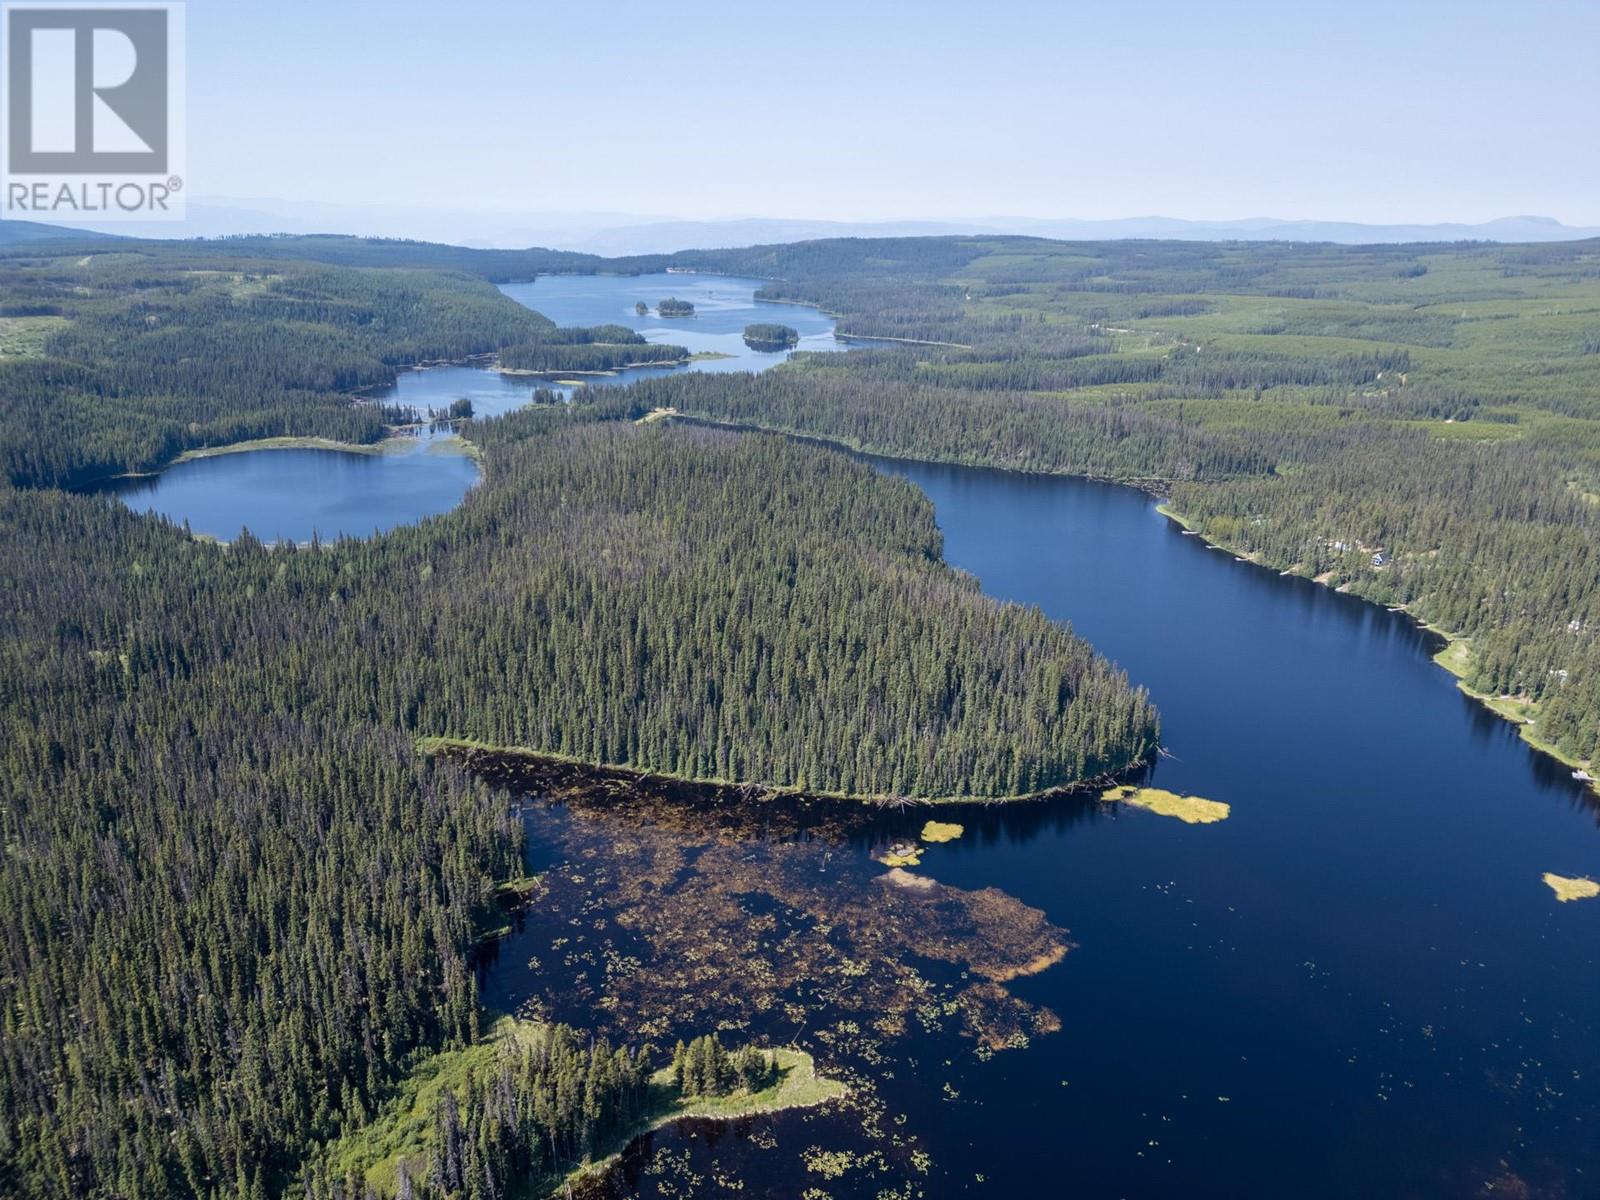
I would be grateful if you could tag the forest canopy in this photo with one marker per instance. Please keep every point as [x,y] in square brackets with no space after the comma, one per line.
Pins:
[1417,424]
[238,903]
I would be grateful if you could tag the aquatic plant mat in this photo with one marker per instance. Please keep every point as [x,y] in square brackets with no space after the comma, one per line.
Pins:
[664,910]
[1191,810]
[1571,889]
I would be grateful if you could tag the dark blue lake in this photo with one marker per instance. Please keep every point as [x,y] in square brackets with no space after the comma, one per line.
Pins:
[1356,986]
[1363,959]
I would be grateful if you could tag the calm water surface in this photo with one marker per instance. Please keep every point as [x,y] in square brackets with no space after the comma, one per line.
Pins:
[291,495]
[1363,960]
[295,494]
[723,305]
[1357,986]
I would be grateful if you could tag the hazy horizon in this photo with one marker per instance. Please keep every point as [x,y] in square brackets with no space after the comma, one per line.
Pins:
[625,233]
[853,114]
[598,213]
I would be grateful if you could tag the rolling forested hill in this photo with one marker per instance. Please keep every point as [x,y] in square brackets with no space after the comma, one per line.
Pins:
[117,360]
[1416,424]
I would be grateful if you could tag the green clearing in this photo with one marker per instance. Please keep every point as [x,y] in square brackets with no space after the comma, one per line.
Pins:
[24,337]
[405,1128]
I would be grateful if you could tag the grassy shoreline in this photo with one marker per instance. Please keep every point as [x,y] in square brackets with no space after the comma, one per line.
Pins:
[393,444]
[389,445]
[569,772]
[271,443]
[798,1086]
[1455,657]
[401,1132]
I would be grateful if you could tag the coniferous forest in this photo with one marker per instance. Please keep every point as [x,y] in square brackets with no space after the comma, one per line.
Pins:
[1419,425]
[238,903]
[537,1109]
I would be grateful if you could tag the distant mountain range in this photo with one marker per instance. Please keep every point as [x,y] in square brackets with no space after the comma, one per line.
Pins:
[14,233]
[624,233]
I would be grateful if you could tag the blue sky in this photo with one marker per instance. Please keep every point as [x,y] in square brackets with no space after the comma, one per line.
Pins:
[1394,111]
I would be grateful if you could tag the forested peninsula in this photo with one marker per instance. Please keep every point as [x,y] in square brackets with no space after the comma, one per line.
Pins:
[239,904]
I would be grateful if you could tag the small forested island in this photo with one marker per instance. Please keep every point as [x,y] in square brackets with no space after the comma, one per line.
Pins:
[544,358]
[767,336]
[641,308]
[581,349]
[673,307]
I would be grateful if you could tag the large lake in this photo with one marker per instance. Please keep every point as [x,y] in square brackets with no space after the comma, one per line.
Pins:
[1363,959]
[1356,986]
[297,493]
